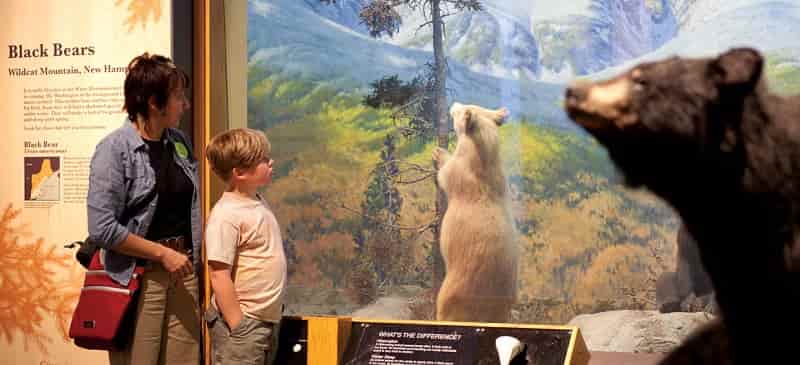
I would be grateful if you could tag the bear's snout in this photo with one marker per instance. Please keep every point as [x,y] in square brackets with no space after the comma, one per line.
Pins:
[576,103]
[600,105]
[577,93]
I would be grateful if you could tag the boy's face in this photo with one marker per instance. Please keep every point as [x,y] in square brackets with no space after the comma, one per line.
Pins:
[260,174]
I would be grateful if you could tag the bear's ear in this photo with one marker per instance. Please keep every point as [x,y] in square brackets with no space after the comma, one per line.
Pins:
[739,68]
[455,106]
[469,122]
[501,115]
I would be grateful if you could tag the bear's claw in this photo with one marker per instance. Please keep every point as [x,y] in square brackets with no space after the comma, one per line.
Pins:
[439,156]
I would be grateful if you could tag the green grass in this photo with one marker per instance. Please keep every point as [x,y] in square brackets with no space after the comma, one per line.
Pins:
[783,74]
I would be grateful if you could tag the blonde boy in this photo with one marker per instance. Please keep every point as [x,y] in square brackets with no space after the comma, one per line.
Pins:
[243,245]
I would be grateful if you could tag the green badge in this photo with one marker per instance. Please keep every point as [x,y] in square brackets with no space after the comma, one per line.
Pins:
[180,148]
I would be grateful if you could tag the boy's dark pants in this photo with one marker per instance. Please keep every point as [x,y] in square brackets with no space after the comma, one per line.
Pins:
[251,342]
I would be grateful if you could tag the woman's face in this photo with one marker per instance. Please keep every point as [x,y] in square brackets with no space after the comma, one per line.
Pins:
[177,103]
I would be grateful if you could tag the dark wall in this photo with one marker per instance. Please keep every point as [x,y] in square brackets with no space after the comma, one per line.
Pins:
[182,51]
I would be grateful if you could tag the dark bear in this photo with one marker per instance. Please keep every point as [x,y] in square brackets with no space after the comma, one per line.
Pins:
[688,288]
[707,136]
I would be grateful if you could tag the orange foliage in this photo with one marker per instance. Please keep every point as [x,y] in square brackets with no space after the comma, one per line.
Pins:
[573,262]
[614,269]
[139,11]
[38,282]
[335,248]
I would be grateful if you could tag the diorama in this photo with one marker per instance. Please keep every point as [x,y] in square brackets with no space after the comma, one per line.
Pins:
[426,169]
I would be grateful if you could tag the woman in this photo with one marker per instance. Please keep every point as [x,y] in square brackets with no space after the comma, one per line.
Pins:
[143,208]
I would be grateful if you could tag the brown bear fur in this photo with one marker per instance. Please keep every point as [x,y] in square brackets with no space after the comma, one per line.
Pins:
[707,136]
[478,235]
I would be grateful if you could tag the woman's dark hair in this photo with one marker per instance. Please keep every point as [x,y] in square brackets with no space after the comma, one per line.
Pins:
[150,75]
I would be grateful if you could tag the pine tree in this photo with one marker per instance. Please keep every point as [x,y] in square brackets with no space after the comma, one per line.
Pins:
[412,101]
[382,257]
[380,237]
[382,17]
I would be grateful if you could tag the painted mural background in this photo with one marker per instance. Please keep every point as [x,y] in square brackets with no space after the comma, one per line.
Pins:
[348,113]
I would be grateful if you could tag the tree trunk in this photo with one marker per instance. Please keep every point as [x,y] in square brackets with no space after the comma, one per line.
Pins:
[442,131]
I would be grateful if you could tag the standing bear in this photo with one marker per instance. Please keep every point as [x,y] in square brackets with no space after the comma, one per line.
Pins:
[478,236]
[708,136]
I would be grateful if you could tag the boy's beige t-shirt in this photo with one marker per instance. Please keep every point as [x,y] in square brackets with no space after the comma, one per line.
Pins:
[243,233]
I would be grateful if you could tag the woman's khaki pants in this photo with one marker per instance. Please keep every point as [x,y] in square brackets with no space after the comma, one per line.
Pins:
[167,324]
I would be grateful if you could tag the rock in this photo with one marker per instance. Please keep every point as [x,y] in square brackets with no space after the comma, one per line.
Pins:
[637,331]
[301,300]
[392,307]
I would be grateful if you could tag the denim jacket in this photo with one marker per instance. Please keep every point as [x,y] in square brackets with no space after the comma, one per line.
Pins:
[120,176]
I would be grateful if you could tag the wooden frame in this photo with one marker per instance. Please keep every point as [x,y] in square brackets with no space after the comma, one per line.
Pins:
[327,339]
[201,127]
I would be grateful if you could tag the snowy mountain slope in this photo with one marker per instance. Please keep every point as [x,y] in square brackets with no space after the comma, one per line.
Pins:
[600,34]
[513,39]
[496,41]
[714,26]
[490,54]
[344,12]
[549,40]
[290,35]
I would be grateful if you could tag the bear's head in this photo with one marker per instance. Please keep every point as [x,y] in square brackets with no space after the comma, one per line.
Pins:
[477,122]
[673,116]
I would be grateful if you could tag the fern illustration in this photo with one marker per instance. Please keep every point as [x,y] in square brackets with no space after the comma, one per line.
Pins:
[139,12]
[38,282]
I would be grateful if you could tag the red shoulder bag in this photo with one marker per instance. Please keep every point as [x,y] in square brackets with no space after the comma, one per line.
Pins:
[106,313]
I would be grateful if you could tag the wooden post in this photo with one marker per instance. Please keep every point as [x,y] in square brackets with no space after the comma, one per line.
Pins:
[577,354]
[327,339]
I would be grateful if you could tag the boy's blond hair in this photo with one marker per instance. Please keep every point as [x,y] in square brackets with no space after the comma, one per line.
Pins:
[240,148]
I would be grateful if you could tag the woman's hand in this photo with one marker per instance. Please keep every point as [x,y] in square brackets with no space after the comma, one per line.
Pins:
[176,264]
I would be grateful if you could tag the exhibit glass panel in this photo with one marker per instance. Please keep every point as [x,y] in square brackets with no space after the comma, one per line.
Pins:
[346,91]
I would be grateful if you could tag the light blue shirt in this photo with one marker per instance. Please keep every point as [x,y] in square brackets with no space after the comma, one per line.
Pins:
[120,177]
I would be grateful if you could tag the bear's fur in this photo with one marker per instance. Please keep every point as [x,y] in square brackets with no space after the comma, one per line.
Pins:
[478,236]
[707,136]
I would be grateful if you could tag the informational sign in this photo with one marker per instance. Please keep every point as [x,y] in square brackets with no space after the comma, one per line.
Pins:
[403,342]
[62,67]
[377,344]
[428,343]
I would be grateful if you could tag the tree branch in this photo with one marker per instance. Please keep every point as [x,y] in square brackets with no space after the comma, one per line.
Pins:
[414,181]
[472,5]
[423,25]
[418,229]
[411,166]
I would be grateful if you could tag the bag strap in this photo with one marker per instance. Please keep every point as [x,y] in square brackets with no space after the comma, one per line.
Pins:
[129,213]
[167,160]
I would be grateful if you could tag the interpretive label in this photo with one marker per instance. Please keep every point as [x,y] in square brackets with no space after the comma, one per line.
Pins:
[432,344]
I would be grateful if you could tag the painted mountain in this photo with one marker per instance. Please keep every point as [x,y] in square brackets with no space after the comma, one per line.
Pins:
[353,191]
[512,43]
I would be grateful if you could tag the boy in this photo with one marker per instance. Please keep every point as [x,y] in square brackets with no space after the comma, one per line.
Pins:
[247,265]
